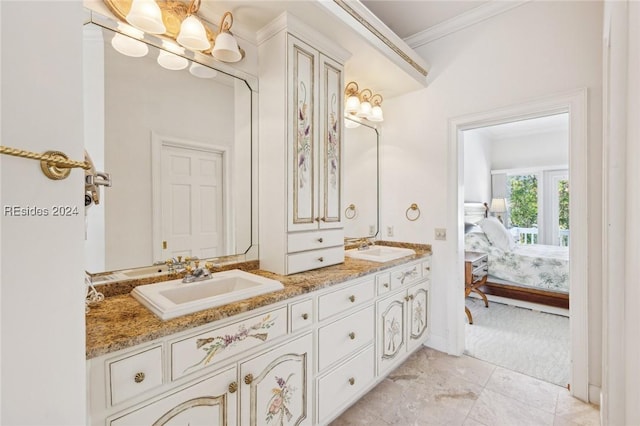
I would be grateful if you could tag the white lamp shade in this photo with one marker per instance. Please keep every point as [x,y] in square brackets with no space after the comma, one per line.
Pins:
[172,61]
[498,205]
[376,114]
[129,46]
[352,105]
[225,48]
[365,110]
[193,35]
[350,124]
[201,71]
[146,16]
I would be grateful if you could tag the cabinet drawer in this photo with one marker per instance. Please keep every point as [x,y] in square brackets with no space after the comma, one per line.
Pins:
[314,259]
[405,275]
[342,385]
[301,314]
[344,336]
[383,283]
[135,374]
[340,300]
[301,241]
[426,267]
[200,351]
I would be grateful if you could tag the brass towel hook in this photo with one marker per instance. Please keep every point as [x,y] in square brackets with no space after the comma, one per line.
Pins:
[54,164]
[413,207]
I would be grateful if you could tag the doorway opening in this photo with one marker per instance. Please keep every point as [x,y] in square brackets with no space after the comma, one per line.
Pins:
[517,247]
[574,103]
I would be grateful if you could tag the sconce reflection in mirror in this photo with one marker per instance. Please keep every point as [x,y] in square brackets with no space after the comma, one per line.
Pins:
[362,104]
[178,21]
[350,212]
[92,180]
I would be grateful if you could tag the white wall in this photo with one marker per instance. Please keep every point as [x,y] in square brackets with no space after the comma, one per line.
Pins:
[538,150]
[478,154]
[532,51]
[42,307]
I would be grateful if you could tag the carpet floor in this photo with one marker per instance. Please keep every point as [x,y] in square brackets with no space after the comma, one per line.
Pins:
[530,342]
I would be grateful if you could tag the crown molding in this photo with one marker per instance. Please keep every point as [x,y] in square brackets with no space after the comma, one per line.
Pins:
[457,23]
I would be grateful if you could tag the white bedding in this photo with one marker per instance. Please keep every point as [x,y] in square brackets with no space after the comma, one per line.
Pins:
[533,265]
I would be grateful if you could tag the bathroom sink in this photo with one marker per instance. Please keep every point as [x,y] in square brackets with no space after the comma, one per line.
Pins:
[148,271]
[174,298]
[379,253]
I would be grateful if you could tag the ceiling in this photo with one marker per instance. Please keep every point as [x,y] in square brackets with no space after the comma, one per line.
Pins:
[409,17]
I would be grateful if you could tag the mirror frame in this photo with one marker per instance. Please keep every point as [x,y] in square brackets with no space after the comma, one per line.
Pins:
[113,24]
[376,128]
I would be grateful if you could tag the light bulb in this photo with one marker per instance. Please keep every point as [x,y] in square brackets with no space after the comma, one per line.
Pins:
[172,61]
[129,46]
[146,16]
[352,105]
[193,34]
[376,114]
[365,110]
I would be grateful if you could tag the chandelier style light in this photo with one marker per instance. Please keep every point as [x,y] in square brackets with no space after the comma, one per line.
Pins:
[362,104]
[176,20]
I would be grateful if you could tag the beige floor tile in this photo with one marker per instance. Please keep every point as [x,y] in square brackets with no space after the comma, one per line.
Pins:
[581,413]
[526,389]
[471,422]
[496,409]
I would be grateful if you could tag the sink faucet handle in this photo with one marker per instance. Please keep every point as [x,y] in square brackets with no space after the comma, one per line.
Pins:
[197,263]
[189,269]
[209,266]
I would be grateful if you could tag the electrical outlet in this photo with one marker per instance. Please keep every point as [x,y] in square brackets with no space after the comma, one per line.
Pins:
[441,234]
[372,229]
[389,231]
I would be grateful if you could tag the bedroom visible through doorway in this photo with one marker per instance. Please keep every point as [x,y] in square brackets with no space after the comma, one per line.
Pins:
[517,236]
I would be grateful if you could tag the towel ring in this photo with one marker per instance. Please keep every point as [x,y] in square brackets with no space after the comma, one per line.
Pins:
[350,208]
[413,207]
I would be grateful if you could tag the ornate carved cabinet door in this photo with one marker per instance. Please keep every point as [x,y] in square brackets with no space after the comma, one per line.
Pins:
[212,401]
[303,136]
[331,125]
[276,386]
[417,313]
[391,330]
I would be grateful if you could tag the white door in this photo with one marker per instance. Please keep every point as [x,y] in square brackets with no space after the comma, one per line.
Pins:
[191,191]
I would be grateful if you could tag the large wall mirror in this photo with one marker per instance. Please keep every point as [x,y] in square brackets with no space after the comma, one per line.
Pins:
[360,198]
[178,147]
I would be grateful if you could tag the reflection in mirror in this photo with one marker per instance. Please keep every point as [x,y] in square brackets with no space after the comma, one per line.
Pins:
[360,200]
[177,144]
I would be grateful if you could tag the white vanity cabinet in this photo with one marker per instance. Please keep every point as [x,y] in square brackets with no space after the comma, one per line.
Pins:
[402,316]
[301,361]
[301,168]
[277,385]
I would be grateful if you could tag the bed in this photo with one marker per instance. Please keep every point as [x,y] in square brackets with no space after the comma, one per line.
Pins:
[533,273]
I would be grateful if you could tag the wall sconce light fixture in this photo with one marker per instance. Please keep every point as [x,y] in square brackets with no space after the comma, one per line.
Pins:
[181,23]
[362,103]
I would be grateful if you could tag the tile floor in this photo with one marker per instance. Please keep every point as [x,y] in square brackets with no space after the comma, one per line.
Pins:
[433,388]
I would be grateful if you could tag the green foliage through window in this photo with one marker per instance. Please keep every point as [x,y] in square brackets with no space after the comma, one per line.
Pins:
[563,198]
[523,200]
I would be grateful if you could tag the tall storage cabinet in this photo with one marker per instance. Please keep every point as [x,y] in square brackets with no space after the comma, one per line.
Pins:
[300,138]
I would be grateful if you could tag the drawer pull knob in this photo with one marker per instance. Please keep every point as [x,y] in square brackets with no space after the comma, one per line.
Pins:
[352,298]
[320,240]
[305,316]
[321,259]
[386,285]
[352,335]
[352,381]
[411,297]
[233,387]
[428,268]
[248,379]
[139,377]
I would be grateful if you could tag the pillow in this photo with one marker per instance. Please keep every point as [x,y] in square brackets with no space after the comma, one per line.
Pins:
[497,233]
[471,227]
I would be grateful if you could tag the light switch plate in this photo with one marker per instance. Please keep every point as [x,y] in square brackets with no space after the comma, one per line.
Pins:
[441,234]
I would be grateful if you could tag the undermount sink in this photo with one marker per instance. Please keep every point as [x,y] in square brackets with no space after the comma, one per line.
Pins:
[145,272]
[174,298]
[379,253]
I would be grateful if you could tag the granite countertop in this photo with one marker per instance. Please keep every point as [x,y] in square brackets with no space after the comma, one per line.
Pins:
[120,321]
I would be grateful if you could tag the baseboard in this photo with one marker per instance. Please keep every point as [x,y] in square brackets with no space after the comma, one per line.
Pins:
[524,304]
[594,394]
[438,343]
